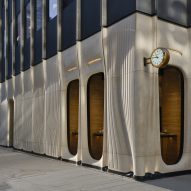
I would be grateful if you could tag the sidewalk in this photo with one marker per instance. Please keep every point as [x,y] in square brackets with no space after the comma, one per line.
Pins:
[26,172]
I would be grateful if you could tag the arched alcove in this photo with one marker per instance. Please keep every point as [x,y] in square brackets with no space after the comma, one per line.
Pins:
[72,116]
[171,93]
[95,104]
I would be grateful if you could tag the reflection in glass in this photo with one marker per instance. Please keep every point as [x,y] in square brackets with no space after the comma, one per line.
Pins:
[28,29]
[38,15]
[5,47]
[52,9]
[10,35]
[17,4]
[10,26]
[4,31]
[18,29]
[66,3]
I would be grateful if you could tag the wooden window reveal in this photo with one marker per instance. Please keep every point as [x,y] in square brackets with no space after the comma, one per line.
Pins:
[72,113]
[171,91]
[95,99]
[11,121]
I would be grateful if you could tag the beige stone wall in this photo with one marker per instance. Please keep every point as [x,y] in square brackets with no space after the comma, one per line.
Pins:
[150,34]
[131,140]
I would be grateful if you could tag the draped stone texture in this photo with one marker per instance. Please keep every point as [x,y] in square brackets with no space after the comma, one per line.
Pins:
[131,135]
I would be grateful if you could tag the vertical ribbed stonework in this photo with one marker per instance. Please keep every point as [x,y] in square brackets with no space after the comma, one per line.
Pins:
[123,107]
[119,47]
[4,124]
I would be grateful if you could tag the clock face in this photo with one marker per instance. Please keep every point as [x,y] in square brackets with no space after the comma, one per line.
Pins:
[160,57]
[157,57]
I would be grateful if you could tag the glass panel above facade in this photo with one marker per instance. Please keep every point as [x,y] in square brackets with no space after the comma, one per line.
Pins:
[52,9]
[66,3]
[38,15]
[18,28]
[28,18]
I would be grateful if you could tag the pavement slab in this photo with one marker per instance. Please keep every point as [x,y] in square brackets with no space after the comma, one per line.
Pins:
[20,171]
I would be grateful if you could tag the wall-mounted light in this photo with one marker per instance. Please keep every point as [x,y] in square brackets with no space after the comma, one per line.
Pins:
[72,68]
[94,61]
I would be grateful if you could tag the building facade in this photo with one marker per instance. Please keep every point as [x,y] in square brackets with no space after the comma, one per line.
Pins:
[74,84]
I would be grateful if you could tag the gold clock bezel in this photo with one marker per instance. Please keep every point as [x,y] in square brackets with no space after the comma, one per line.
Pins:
[165,60]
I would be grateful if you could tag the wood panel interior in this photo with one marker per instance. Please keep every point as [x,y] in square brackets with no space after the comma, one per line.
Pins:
[96,115]
[73,109]
[171,108]
[11,121]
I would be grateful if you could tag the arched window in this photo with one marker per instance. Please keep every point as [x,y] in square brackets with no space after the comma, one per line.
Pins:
[171,92]
[95,104]
[72,113]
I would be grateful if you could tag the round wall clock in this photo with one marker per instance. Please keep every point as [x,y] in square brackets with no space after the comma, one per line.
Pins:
[160,57]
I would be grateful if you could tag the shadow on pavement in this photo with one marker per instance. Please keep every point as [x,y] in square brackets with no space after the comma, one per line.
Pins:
[178,183]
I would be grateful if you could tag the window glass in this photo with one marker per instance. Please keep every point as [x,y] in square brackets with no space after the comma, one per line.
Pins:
[69,23]
[10,10]
[10,23]
[5,47]
[52,9]
[4,32]
[18,29]
[38,15]
[17,6]
[66,3]
[72,115]
[171,88]
[119,9]
[28,27]
[10,34]
[95,110]
[90,18]
[10,37]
